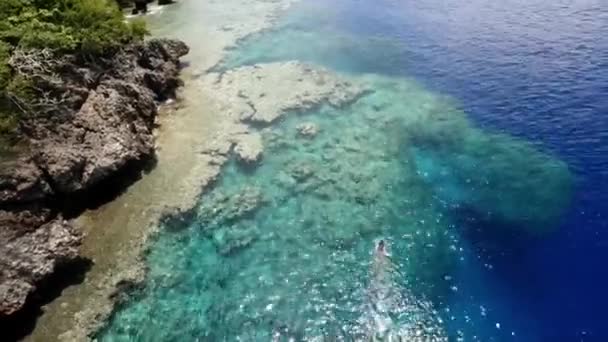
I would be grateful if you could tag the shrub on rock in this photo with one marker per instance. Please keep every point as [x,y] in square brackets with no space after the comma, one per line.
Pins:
[87,28]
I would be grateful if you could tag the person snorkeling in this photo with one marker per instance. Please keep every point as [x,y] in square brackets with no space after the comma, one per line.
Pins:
[381,247]
[381,268]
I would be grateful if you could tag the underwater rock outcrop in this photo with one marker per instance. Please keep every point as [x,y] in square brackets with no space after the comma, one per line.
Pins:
[225,209]
[500,179]
[227,218]
[301,229]
[262,93]
[91,121]
[308,130]
[248,148]
[232,240]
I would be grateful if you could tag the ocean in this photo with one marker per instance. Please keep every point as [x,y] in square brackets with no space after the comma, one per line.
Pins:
[480,155]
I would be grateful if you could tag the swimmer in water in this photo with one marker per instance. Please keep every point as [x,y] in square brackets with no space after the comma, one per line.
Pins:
[391,306]
[381,265]
[381,248]
[382,294]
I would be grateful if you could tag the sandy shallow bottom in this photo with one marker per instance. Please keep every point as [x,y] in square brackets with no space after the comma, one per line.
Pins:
[116,233]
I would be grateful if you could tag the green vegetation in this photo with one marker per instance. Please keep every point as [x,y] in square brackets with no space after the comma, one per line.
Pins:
[87,27]
[67,25]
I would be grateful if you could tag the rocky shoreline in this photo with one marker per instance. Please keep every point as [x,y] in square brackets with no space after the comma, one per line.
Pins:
[116,234]
[104,133]
[95,123]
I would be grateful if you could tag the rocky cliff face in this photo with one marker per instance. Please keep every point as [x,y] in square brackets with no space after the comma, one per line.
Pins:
[89,121]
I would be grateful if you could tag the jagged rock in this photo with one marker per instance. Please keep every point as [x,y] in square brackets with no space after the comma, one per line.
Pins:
[113,123]
[22,181]
[140,6]
[91,120]
[308,130]
[29,254]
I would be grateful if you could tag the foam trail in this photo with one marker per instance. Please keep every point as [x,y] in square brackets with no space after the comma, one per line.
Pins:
[393,313]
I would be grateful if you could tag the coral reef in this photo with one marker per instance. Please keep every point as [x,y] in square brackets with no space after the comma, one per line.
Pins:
[248,148]
[499,178]
[221,214]
[264,92]
[225,209]
[231,271]
[303,220]
[308,130]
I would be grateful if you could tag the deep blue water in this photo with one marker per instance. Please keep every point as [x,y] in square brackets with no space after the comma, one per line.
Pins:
[531,69]
[539,70]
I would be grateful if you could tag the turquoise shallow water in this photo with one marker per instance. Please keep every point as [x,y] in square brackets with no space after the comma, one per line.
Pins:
[285,250]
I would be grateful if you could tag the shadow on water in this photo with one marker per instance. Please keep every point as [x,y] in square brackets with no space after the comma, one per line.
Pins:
[496,243]
[73,204]
[508,254]
[21,324]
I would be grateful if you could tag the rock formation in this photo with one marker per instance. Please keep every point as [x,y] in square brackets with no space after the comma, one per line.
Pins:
[248,148]
[141,6]
[224,209]
[308,130]
[33,246]
[90,121]
[505,182]
[226,218]
[262,93]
